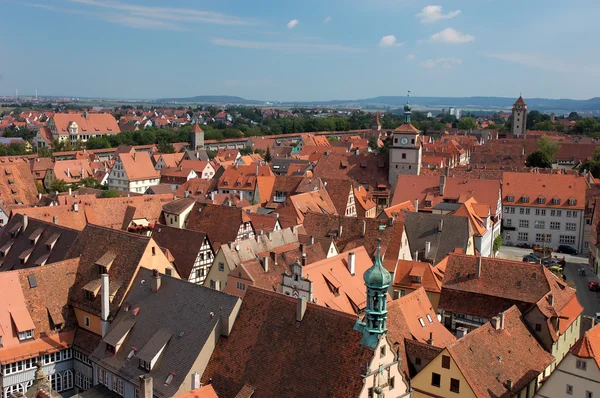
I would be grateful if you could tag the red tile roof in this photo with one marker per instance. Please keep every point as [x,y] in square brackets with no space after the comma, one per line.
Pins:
[488,358]
[17,185]
[138,166]
[548,187]
[265,327]
[431,276]
[589,345]
[95,123]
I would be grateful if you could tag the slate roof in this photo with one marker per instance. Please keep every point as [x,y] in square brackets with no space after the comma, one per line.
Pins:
[265,328]
[29,247]
[488,358]
[424,227]
[94,243]
[184,245]
[180,314]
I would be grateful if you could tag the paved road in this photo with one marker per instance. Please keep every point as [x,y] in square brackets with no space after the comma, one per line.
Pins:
[589,300]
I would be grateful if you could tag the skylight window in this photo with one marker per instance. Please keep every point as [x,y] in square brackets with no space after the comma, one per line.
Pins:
[169,378]
[429,318]
[422,322]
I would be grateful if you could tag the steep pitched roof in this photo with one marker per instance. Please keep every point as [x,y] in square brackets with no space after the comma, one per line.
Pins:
[67,216]
[171,318]
[339,191]
[94,123]
[184,245]
[431,277]
[489,357]
[427,189]
[17,185]
[221,223]
[138,166]
[112,212]
[267,320]
[34,244]
[96,243]
[425,227]
[365,168]
[589,345]
[562,187]
[73,170]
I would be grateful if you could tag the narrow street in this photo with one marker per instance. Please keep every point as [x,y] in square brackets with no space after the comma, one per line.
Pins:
[589,300]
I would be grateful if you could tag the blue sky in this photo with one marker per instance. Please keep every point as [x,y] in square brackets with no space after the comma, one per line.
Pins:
[300,50]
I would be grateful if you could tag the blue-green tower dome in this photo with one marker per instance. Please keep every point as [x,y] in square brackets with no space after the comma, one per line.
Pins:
[374,323]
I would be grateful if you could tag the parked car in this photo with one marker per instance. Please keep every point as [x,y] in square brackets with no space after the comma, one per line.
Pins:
[531,259]
[566,249]
[594,286]
[552,262]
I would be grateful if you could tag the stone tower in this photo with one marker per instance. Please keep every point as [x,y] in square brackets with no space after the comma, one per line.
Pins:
[405,149]
[197,137]
[519,118]
[374,324]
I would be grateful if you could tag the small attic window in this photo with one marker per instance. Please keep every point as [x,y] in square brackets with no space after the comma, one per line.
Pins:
[510,198]
[525,199]
[555,201]
[572,202]
[169,378]
[541,200]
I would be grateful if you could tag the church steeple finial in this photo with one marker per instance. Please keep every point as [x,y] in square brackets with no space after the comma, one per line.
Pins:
[374,324]
[407,108]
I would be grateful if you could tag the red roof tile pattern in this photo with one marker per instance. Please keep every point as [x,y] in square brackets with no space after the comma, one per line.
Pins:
[546,187]
[94,123]
[267,320]
[489,357]
[17,185]
[589,345]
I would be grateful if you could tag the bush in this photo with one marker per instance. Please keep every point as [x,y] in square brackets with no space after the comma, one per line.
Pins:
[498,241]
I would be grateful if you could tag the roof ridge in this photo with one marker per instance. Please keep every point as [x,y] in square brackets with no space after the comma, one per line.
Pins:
[311,304]
[132,235]
[43,221]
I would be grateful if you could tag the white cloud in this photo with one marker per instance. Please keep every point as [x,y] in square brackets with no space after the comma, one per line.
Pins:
[292,24]
[446,62]
[549,63]
[146,17]
[411,57]
[327,20]
[290,47]
[431,14]
[389,41]
[451,36]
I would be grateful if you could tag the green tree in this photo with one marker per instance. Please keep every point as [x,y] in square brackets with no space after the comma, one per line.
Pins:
[497,243]
[586,126]
[59,185]
[539,159]
[467,123]
[548,146]
[61,146]
[89,182]
[110,193]
[373,143]
[268,157]
[97,143]
[40,187]
[574,116]
[44,152]
[165,147]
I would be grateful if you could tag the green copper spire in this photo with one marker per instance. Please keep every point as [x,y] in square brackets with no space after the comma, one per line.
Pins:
[407,112]
[374,324]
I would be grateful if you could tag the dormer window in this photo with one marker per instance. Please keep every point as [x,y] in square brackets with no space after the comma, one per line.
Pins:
[572,202]
[111,348]
[510,198]
[555,201]
[144,365]
[525,199]
[541,200]
[26,335]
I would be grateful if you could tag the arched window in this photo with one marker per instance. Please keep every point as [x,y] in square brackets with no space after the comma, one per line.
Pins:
[56,380]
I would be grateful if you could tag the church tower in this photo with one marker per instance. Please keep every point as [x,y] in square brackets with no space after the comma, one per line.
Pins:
[197,137]
[519,118]
[405,149]
[374,324]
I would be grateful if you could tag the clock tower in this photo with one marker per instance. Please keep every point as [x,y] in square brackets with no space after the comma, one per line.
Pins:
[405,150]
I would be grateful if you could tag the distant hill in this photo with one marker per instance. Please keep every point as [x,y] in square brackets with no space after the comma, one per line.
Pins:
[210,99]
[488,103]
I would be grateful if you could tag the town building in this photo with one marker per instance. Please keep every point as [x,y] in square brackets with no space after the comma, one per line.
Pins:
[405,150]
[176,176]
[410,276]
[500,359]
[223,224]
[254,182]
[519,118]
[544,209]
[37,326]
[578,374]
[73,127]
[192,253]
[175,213]
[163,335]
[133,172]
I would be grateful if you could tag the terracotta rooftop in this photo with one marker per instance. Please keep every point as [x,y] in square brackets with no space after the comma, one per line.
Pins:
[489,357]
[589,345]
[553,190]
[431,277]
[17,185]
[221,223]
[366,169]
[138,166]
[184,245]
[248,355]
[94,123]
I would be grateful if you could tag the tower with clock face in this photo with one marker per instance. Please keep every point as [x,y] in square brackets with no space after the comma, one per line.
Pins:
[405,150]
